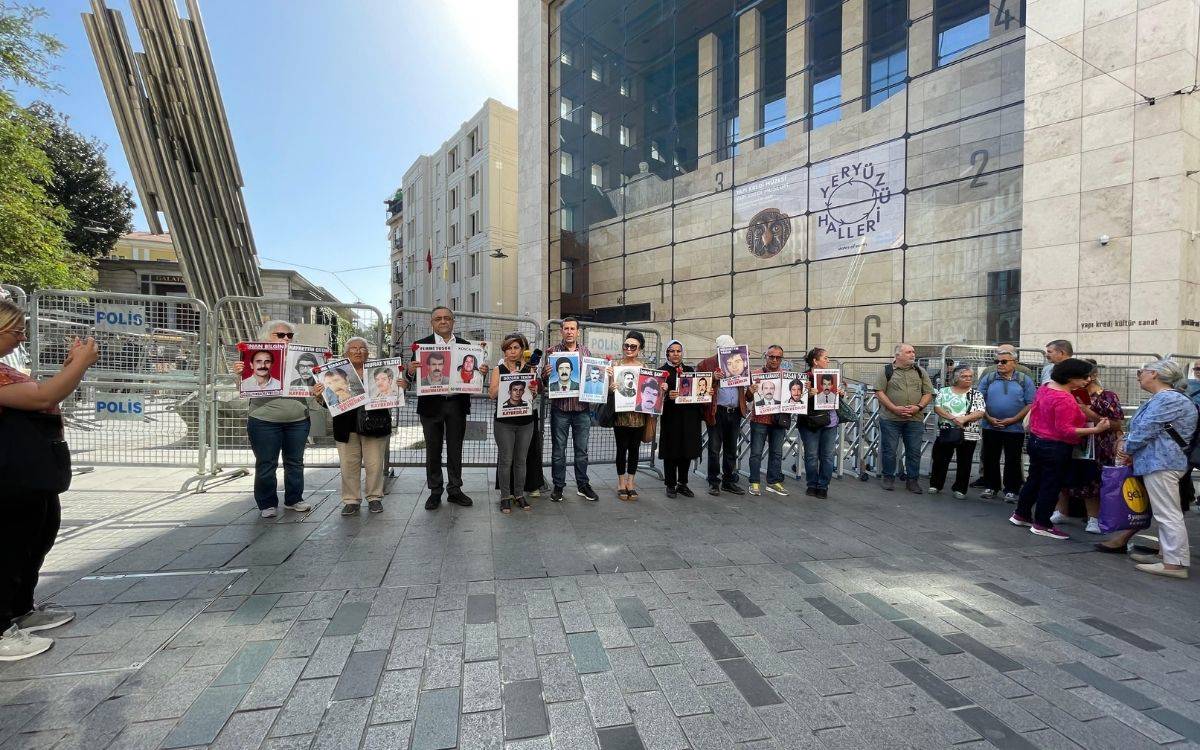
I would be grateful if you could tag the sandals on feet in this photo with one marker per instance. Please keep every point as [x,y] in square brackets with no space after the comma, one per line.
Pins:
[521,503]
[506,505]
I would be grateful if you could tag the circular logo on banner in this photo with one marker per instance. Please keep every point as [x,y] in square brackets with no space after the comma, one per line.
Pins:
[1134,494]
[768,233]
[854,202]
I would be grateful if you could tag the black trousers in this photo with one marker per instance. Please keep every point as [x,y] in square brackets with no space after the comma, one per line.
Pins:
[723,436]
[1008,444]
[629,445]
[449,425]
[31,521]
[675,471]
[942,453]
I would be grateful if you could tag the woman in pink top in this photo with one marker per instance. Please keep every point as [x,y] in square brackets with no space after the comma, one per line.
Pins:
[1056,425]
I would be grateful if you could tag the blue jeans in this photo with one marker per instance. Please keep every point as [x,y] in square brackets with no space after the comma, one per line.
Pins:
[890,433]
[580,424]
[1049,466]
[761,434]
[267,439]
[818,455]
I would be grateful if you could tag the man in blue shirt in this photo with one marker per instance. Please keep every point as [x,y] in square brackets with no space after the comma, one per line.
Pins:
[1193,384]
[1008,395]
[723,417]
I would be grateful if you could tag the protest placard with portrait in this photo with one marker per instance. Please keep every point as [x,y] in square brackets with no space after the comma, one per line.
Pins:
[734,362]
[796,396]
[825,389]
[465,375]
[433,369]
[594,380]
[626,379]
[385,383]
[767,393]
[298,370]
[262,368]
[514,396]
[695,388]
[564,375]
[344,390]
[651,392]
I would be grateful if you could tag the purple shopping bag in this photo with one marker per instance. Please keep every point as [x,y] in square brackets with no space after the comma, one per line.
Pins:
[1124,504]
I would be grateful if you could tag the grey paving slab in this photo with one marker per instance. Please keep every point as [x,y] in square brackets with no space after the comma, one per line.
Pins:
[928,637]
[937,688]
[605,699]
[246,666]
[360,677]
[655,721]
[206,717]
[588,653]
[388,736]
[1117,631]
[571,726]
[1110,687]
[1012,596]
[741,603]
[253,609]
[633,612]
[986,654]
[524,710]
[481,686]
[348,619]
[756,690]
[620,738]
[343,726]
[1096,648]
[481,609]
[436,726]
[996,732]
[835,613]
[715,640]
[396,698]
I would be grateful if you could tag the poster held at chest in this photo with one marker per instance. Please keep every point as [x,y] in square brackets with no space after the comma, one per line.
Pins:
[626,379]
[385,383]
[796,401]
[466,377]
[564,375]
[433,369]
[766,395]
[298,373]
[651,392]
[734,362]
[262,368]
[695,388]
[514,397]
[595,380]
[343,388]
[825,389]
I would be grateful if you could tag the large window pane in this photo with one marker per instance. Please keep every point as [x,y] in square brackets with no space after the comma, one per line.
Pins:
[958,25]
[825,61]
[887,49]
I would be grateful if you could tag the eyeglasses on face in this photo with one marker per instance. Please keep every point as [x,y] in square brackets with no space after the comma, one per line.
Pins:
[1004,361]
[629,346]
[284,334]
[774,356]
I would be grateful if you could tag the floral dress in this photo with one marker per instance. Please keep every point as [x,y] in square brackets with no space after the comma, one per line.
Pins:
[1107,405]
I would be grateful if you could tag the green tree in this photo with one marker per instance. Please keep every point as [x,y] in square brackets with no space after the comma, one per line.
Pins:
[84,185]
[33,250]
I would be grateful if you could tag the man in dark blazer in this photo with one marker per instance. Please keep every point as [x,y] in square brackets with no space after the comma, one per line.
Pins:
[443,418]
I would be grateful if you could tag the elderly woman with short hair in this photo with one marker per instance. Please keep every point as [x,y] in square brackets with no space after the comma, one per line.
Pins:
[362,442]
[275,425]
[1160,459]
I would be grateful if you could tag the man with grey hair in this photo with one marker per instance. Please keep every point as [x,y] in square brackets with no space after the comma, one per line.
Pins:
[443,419]
[903,390]
[1056,351]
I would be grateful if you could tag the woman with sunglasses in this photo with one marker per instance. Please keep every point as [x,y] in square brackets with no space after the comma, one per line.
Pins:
[29,423]
[628,426]
[277,425]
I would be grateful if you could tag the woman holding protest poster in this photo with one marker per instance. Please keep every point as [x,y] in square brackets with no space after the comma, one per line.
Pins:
[276,424]
[628,426]
[361,436]
[34,468]
[513,433]
[679,435]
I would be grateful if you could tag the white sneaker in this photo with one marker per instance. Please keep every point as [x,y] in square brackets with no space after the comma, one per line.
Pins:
[17,644]
[268,513]
[300,507]
[1093,526]
[1056,518]
[44,616]
[988,494]
[1010,497]
[960,496]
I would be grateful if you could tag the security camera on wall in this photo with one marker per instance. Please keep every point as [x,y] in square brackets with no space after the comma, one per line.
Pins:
[1104,238]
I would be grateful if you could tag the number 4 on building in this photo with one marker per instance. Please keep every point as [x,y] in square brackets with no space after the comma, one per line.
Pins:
[1005,17]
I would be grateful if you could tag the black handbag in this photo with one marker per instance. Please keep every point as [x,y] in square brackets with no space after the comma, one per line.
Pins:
[605,414]
[817,420]
[35,458]
[948,435]
[374,422]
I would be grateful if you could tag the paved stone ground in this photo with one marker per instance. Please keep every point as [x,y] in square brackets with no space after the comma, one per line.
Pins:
[867,620]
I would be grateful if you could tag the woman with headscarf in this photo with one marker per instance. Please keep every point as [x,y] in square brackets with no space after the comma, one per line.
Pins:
[361,437]
[679,426]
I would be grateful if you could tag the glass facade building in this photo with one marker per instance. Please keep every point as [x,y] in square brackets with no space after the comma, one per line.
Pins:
[842,173]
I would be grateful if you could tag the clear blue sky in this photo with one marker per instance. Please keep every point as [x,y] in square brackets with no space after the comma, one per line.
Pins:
[329,103]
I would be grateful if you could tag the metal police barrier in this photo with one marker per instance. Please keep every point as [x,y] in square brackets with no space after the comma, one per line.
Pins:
[605,340]
[327,324]
[141,403]
[16,294]
[479,443]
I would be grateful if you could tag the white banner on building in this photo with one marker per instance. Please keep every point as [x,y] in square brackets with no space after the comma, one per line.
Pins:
[769,214]
[857,201]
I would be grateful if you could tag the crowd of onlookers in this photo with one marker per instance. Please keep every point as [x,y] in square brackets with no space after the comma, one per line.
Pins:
[1064,418]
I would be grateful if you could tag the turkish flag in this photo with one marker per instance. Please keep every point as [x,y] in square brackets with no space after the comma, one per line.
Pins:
[428,261]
